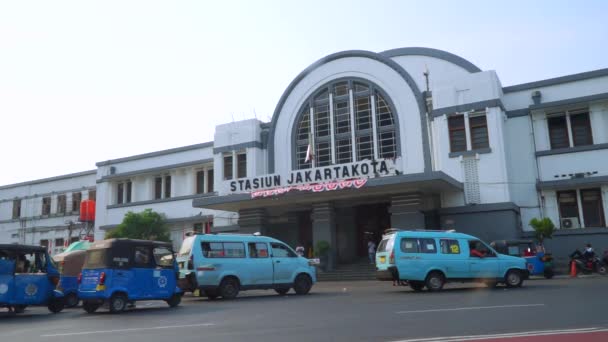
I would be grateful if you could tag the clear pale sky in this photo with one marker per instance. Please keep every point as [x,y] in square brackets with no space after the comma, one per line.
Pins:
[87,81]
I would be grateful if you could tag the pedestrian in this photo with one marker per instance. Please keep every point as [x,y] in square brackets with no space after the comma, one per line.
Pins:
[371,250]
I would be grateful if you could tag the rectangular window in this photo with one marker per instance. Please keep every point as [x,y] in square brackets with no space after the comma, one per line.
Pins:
[241,165]
[258,250]
[427,246]
[16,209]
[593,210]
[74,239]
[387,144]
[344,151]
[581,129]
[301,155]
[167,186]
[449,246]
[200,182]
[321,115]
[383,112]
[198,228]
[227,166]
[142,257]
[568,205]
[223,249]
[341,89]
[46,205]
[59,243]
[304,127]
[93,195]
[128,185]
[422,245]
[363,113]
[120,189]
[479,132]
[44,243]
[341,116]
[210,180]
[365,148]
[158,188]
[61,204]
[558,132]
[458,138]
[76,199]
[409,245]
[323,156]
[163,257]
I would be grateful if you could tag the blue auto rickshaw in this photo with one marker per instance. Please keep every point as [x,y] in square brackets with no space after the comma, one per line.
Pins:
[70,265]
[118,272]
[537,261]
[28,277]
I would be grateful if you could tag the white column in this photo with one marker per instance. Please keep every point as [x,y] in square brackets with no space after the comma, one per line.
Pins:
[162,186]
[374,126]
[331,128]
[604,191]
[569,127]
[353,124]
[234,169]
[467,131]
[312,134]
[579,202]
[124,191]
[173,185]
[206,180]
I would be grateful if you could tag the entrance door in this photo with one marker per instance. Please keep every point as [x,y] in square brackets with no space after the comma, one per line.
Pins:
[372,220]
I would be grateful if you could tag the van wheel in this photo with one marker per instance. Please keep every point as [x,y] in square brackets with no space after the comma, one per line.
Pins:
[514,279]
[282,290]
[434,281]
[174,300]
[302,284]
[229,288]
[56,305]
[118,303]
[416,285]
[211,294]
[71,300]
[90,307]
[19,308]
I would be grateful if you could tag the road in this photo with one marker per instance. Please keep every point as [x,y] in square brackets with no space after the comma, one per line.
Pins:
[357,311]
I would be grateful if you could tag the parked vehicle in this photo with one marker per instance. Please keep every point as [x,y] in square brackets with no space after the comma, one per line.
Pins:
[432,258]
[28,277]
[117,272]
[537,261]
[588,264]
[70,265]
[224,264]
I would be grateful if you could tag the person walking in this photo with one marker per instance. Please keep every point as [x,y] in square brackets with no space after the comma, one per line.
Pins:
[371,251]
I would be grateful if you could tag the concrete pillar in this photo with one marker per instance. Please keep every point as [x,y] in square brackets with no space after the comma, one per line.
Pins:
[252,221]
[292,230]
[324,229]
[346,234]
[405,211]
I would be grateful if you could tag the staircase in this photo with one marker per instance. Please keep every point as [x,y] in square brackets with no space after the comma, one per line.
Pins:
[360,270]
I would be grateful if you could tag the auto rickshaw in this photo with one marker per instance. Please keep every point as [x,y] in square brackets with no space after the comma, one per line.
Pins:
[119,272]
[28,277]
[537,261]
[70,265]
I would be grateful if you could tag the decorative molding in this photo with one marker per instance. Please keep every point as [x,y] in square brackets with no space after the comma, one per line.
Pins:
[155,154]
[556,80]
[153,170]
[572,149]
[479,208]
[481,105]
[237,147]
[50,179]
[470,153]
[572,183]
[572,101]
[162,200]
[516,113]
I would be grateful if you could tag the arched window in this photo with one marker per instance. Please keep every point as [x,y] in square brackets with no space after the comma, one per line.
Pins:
[343,122]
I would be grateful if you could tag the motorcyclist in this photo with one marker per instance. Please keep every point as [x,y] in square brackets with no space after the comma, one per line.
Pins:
[589,253]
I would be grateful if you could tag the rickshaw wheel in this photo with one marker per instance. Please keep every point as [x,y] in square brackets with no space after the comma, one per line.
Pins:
[56,305]
[19,308]
[90,307]
[71,300]
[118,303]
[174,300]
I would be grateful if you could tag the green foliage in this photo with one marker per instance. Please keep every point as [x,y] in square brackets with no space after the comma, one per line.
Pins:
[322,248]
[146,225]
[543,229]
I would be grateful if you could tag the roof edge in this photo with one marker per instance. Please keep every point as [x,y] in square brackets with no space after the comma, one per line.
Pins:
[49,179]
[156,153]
[435,53]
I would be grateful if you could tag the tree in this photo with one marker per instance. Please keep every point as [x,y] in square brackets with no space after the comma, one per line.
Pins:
[543,229]
[146,225]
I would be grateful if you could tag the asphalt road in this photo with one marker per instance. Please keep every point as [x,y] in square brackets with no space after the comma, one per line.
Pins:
[357,311]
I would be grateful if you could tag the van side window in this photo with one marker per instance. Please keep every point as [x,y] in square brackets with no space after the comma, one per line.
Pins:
[163,257]
[258,250]
[281,251]
[223,249]
[449,246]
[427,246]
[409,245]
[142,256]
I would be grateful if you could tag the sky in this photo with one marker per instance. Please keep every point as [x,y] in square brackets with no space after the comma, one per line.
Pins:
[87,81]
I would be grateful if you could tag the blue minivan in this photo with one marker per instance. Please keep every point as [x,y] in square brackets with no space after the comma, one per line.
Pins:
[224,264]
[118,272]
[432,258]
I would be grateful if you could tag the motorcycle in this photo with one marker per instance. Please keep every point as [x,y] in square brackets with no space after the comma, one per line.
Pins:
[589,265]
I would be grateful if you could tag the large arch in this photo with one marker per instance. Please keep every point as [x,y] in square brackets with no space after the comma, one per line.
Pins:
[346,54]
[439,54]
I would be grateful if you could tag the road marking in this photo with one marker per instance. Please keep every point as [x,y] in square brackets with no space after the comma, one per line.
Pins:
[128,330]
[472,308]
[505,336]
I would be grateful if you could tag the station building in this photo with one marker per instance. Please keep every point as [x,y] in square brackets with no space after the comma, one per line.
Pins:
[412,138]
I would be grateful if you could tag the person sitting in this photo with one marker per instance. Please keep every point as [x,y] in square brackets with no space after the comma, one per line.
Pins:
[476,250]
[589,253]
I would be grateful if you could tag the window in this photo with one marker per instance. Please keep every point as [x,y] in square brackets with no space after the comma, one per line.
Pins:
[593,211]
[200,182]
[241,165]
[167,186]
[119,193]
[163,257]
[158,188]
[409,245]
[142,256]
[223,249]
[479,132]
[74,239]
[258,250]
[427,246]
[59,243]
[210,180]
[348,105]
[569,129]
[568,206]
[76,199]
[227,166]
[282,251]
[449,246]
[93,195]
[458,137]
[44,243]
[128,188]
[46,206]
[16,208]
[61,200]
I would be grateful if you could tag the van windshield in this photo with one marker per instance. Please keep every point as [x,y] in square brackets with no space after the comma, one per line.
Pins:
[386,244]
[186,246]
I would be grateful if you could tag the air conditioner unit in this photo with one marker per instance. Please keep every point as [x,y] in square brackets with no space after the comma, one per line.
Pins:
[570,222]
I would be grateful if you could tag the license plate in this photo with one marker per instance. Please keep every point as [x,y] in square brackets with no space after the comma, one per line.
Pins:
[382,259]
